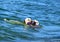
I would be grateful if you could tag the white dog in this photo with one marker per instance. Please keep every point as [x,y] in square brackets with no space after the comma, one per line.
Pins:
[29,21]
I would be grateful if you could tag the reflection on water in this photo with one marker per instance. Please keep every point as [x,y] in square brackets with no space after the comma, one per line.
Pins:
[46,12]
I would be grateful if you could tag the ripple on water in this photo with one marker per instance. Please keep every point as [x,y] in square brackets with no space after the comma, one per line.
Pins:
[46,12]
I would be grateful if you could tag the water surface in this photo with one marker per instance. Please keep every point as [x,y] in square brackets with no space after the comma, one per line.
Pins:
[47,12]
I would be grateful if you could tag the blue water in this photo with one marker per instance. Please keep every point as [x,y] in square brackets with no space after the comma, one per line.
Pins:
[47,12]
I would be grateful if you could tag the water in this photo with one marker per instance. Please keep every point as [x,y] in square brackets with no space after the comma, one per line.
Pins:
[47,12]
